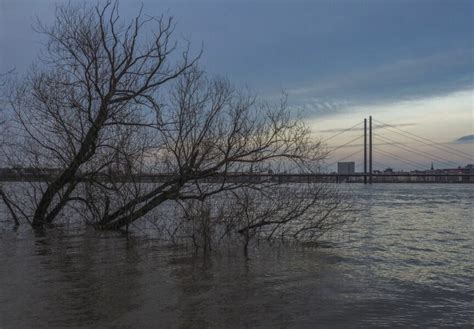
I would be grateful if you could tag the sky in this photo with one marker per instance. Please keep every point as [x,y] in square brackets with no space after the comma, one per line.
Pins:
[409,64]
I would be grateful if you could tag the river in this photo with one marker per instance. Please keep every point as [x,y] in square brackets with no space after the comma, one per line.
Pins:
[407,261]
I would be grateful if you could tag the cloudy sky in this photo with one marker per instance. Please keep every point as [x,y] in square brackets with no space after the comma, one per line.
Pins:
[408,64]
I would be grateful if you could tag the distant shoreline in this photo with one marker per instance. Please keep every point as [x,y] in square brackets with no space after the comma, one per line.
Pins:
[267,178]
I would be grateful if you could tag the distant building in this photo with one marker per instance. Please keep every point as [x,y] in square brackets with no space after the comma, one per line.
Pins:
[346,167]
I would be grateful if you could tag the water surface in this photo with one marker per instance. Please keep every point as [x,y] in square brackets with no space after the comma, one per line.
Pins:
[407,262]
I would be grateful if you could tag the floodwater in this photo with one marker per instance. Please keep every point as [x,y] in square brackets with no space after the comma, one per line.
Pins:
[408,261]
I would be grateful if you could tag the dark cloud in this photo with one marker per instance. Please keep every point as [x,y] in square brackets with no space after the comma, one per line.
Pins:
[465,139]
[330,50]
[401,79]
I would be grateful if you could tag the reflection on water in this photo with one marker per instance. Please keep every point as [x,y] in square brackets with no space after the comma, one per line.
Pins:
[408,260]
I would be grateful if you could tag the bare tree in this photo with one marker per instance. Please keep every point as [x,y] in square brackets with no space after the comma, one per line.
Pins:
[120,127]
[3,196]
[96,78]
[3,81]
[210,132]
[298,212]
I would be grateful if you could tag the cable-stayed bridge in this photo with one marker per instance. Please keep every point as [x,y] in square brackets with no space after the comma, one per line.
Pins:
[369,148]
[377,144]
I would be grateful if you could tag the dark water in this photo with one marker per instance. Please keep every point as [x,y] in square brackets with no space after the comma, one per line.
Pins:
[407,262]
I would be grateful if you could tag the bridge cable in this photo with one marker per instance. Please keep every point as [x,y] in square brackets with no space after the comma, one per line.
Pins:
[345,144]
[398,158]
[423,139]
[343,131]
[409,148]
[344,158]
[381,164]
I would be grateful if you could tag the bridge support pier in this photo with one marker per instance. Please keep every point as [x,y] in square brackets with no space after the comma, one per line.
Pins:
[370,149]
[365,150]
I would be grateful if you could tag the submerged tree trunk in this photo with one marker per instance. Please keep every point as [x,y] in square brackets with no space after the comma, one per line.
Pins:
[69,175]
